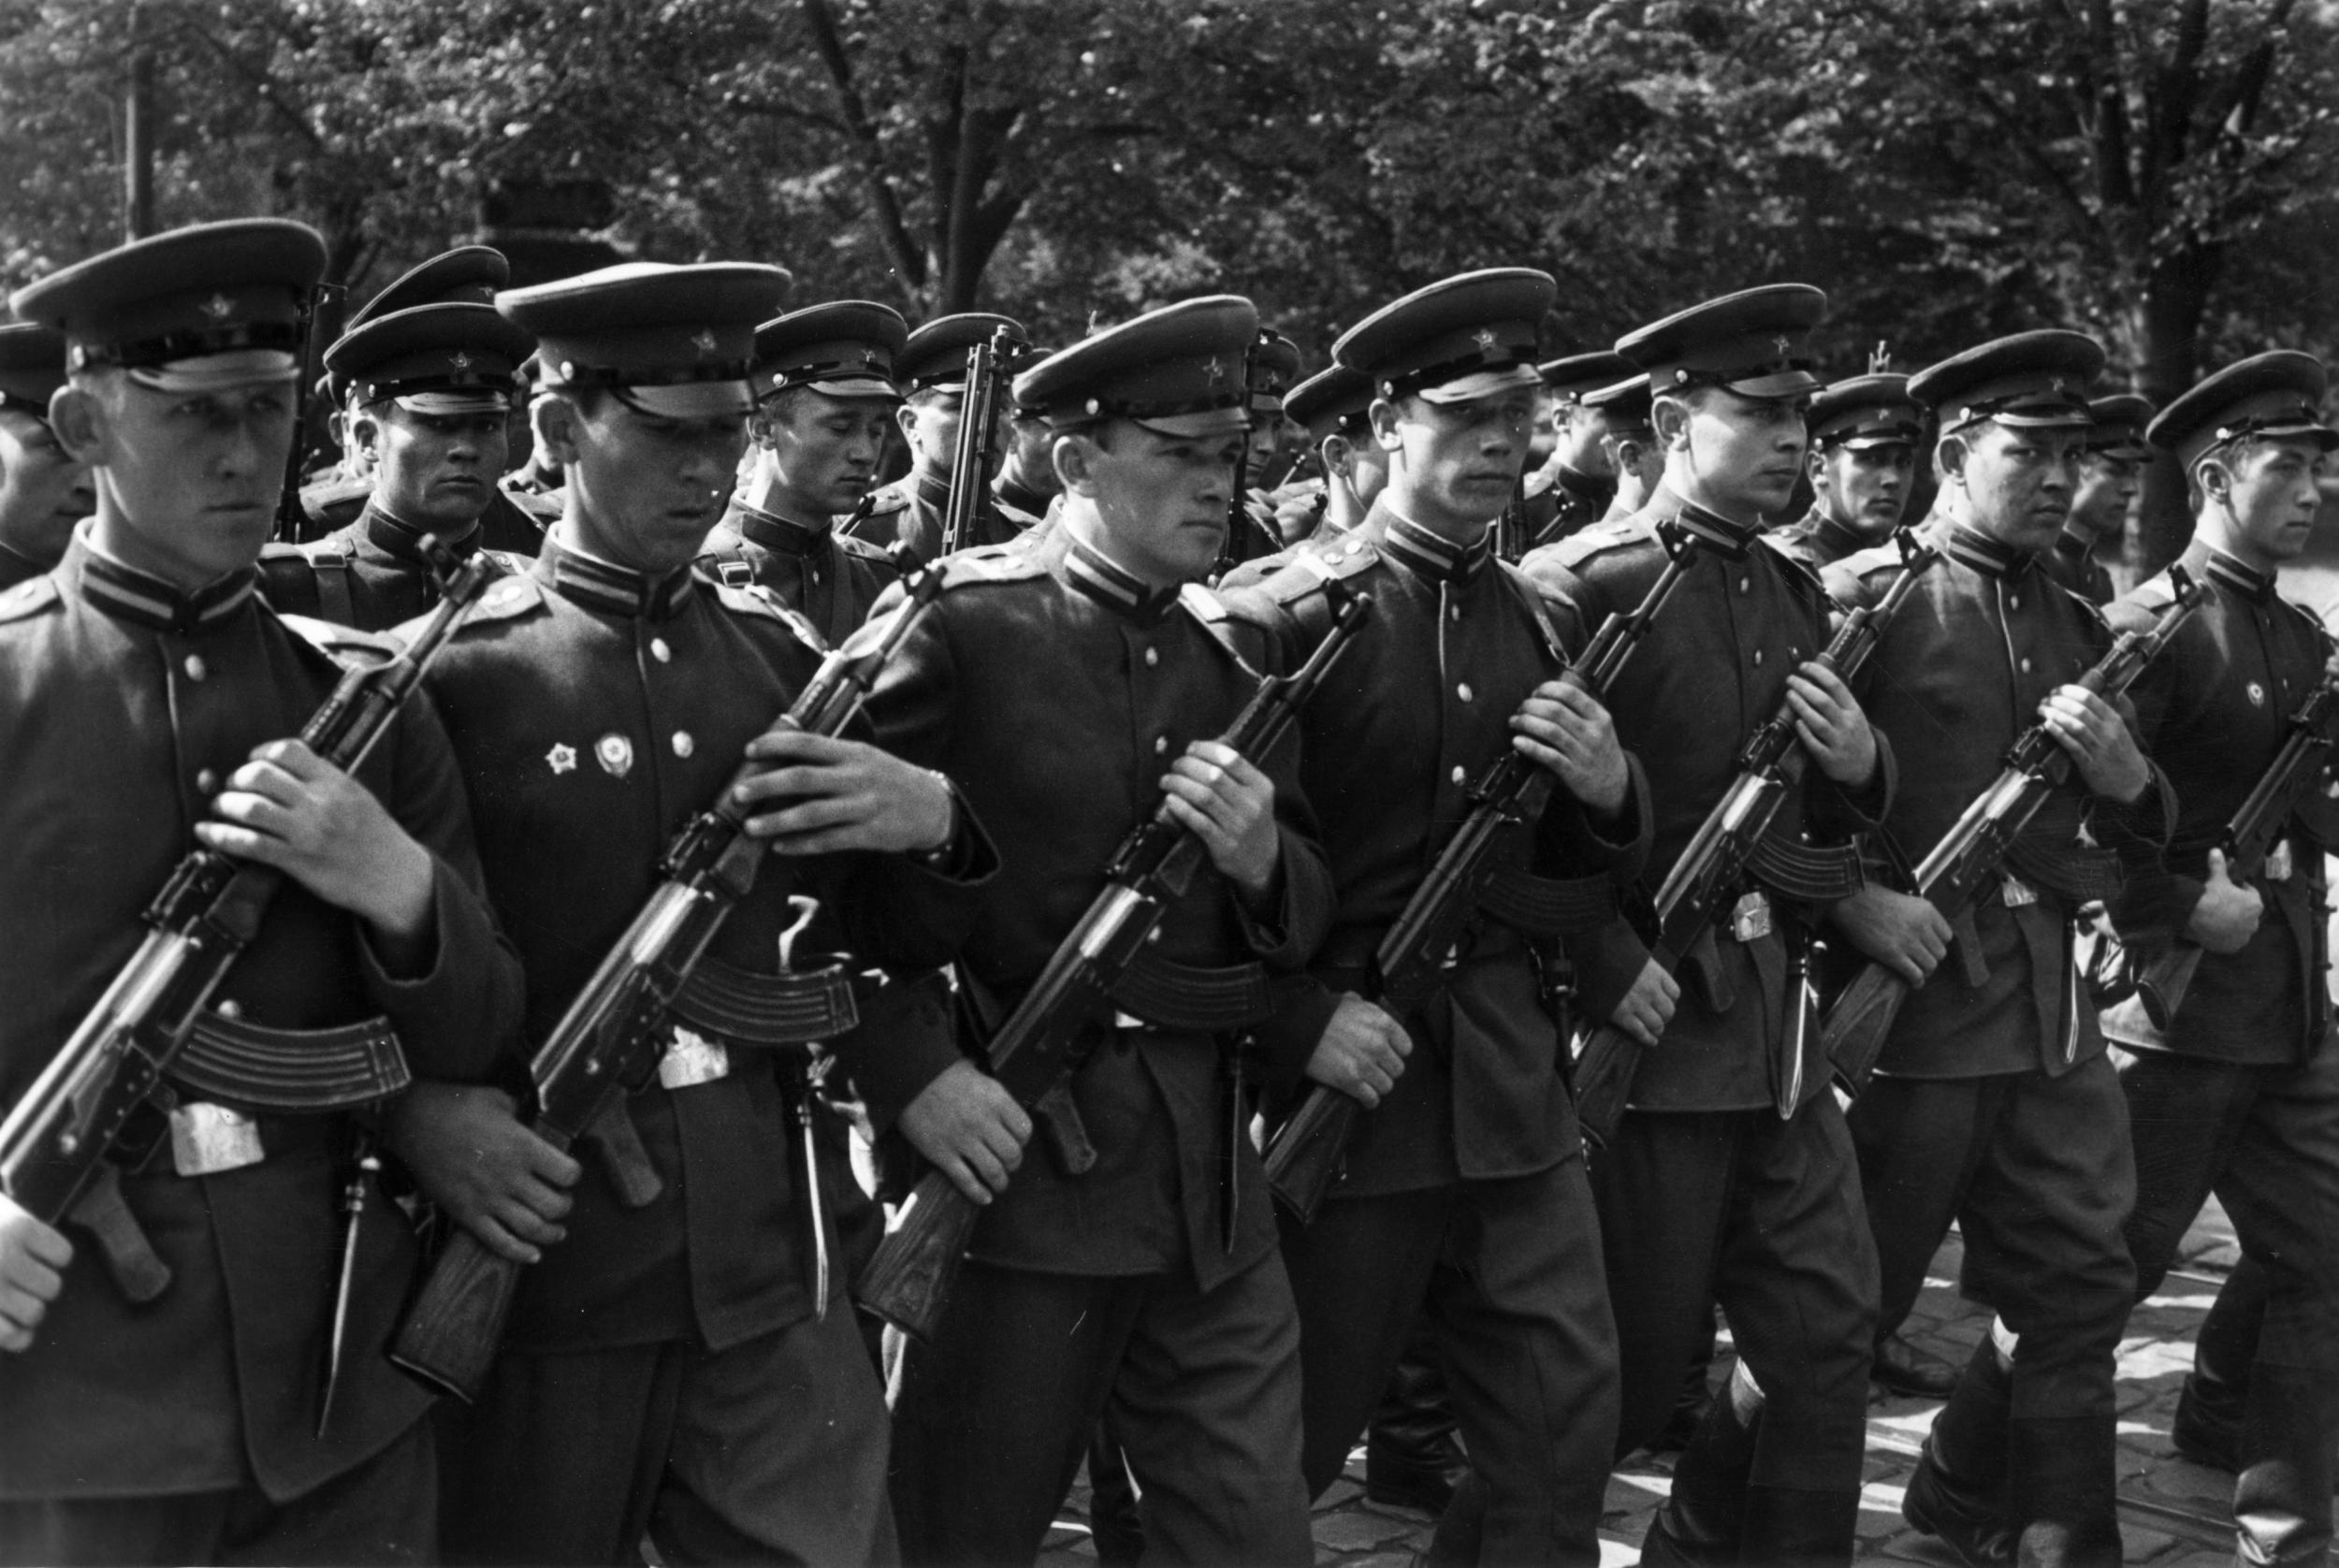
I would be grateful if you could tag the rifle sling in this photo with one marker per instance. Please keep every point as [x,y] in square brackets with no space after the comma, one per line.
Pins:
[743,1008]
[1547,907]
[291,1071]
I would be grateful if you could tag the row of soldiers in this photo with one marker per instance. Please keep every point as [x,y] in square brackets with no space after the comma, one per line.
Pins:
[197,1367]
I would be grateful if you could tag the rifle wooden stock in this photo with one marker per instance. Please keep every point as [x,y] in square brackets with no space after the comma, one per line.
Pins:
[1304,1154]
[1035,1052]
[1859,1022]
[606,1043]
[62,1127]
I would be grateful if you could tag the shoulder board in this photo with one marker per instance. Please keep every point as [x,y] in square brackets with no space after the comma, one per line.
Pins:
[2309,617]
[853,544]
[989,563]
[1297,572]
[28,597]
[1601,538]
[1532,597]
[506,599]
[1799,572]
[1202,604]
[345,646]
[2094,611]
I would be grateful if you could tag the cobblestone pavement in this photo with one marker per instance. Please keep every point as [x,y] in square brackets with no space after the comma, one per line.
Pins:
[2172,1511]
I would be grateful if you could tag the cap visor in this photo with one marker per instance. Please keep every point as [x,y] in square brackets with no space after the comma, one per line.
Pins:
[2043,419]
[690,399]
[855,386]
[1871,442]
[1209,422]
[454,402]
[1481,383]
[209,372]
[1786,383]
[2323,435]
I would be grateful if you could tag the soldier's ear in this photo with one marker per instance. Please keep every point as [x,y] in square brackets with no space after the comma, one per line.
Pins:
[1815,465]
[1949,457]
[77,414]
[557,424]
[1671,415]
[365,433]
[1339,457]
[905,417]
[1383,416]
[1075,455]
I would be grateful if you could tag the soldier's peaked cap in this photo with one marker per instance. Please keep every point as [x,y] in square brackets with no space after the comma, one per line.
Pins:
[208,306]
[1464,338]
[845,348]
[32,366]
[2035,380]
[434,358]
[1628,406]
[1570,376]
[1866,410]
[1177,371]
[2272,395]
[673,341]
[1274,365]
[466,275]
[2118,424]
[1756,342]
[1332,401]
[934,357]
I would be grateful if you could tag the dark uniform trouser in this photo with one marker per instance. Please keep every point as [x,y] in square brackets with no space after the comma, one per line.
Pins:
[2039,1175]
[384,1511]
[1203,1388]
[770,1451]
[2266,1140]
[1509,1273]
[1762,1216]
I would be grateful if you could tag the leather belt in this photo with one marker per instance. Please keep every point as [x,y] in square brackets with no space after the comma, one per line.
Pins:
[2075,873]
[744,1007]
[232,1059]
[1191,999]
[1547,907]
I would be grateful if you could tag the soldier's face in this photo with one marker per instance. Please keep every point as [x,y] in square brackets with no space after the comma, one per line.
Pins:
[2108,486]
[188,481]
[43,490]
[1159,501]
[930,425]
[823,451]
[434,471]
[2275,495]
[1740,456]
[2019,481]
[1455,465]
[644,491]
[1866,489]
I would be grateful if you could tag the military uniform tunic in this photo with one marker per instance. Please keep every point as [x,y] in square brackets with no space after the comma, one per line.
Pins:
[1817,540]
[369,573]
[514,523]
[16,566]
[124,706]
[2073,564]
[828,578]
[910,510]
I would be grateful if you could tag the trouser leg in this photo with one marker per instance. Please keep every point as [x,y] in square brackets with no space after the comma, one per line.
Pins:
[1410,1453]
[1919,1141]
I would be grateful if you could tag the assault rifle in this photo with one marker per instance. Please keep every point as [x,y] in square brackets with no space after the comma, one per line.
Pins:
[56,1138]
[1711,869]
[609,1041]
[1037,1050]
[1303,1157]
[970,464]
[1970,852]
[2258,824]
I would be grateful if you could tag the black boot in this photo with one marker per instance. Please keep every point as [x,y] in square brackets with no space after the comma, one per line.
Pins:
[1412,1459]
[1114,1524]
[1689,1407]
[1705,1519]
[1800,1528]
[2063,1491]
[2208,1422]
[2282,1497]
[1901,1367]
[1958,1491]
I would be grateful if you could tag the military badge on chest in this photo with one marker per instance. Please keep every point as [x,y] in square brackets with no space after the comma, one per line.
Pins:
[615,753]
[2257,694]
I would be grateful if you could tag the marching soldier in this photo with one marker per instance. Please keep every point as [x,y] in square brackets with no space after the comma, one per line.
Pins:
[1865,435]
[672,1364]
[1573,488]
[824,396]
[44,490]
[1731,1177]
[237,1407]
[516,518]
[2110,475]
[1463,1197]
[1994,1103]
[931,372]
[1332,407]
[1149,1288]
[2240,1092]
[430,390]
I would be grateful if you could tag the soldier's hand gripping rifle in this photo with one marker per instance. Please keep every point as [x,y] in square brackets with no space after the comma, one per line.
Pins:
[2258,824]
[56,1137]
[1710,870]
[1036,1050]
[1305,1154]
[977,422]
[609,1040]
[1970,855]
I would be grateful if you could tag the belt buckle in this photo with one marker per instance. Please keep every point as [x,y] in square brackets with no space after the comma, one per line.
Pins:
[2018,893]
[693,1058]
[207,1139]
[1749,917]
[2278,862]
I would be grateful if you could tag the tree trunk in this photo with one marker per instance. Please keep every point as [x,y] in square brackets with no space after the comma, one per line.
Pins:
[2166,330]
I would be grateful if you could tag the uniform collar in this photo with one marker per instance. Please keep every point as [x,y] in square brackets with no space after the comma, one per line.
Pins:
[1835,536]
[1114,586]
[142,599]
[1713,531]
[1028,501]
[931,488]
[403,541]
[610,589]
[1973,548]
[776,533]
[2078,552]
[1431,555]
[2237,576]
